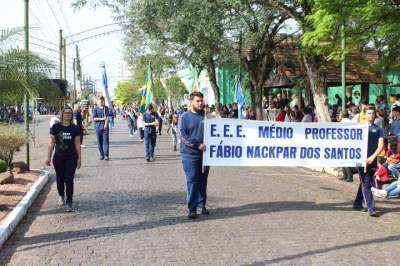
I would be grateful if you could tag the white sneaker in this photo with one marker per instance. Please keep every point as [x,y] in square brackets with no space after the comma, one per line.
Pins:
[69,208]
[380,193]
[61,201]
[130,135]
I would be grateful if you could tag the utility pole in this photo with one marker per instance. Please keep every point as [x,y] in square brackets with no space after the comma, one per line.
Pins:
[26,98]
[74,89]
[343,65]
[61,55]
[78,67]
[65,58]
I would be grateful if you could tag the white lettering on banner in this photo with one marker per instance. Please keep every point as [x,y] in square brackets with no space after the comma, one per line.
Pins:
[233,142]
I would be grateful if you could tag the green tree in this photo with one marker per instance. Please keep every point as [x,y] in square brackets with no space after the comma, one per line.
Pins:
[175,87]
[255,31]
[14,81]
[368,24]
[126,93]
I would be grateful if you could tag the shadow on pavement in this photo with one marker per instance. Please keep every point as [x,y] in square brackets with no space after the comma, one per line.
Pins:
[216,214]
[325,250]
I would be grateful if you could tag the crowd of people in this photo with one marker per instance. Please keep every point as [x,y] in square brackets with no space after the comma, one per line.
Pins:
[11,114]
[379,178]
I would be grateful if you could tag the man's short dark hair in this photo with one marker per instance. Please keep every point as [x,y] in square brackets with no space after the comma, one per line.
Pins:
[396,108]
[150,107]
[101,98]
[195,94]
[370,107]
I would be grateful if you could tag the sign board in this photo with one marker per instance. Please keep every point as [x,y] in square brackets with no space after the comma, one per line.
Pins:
[236,142]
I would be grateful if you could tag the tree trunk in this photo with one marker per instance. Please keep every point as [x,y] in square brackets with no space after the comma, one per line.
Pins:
[257,101]
[210,66]
[318,89]
[258,74]
[365,92]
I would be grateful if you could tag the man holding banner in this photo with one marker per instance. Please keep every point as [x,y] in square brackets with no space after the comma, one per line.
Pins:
[191,133]
[375,146]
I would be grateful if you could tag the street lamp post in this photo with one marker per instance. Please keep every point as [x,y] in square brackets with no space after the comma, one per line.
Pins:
[26,98]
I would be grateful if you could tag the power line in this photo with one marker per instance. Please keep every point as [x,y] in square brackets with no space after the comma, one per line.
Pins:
[38,39]
[39,7]
[54,15]
[64,18]
[95,28]
[47,32]
[39,45]
[94,36]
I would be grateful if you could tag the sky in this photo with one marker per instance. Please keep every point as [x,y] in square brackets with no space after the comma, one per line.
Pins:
[48,16]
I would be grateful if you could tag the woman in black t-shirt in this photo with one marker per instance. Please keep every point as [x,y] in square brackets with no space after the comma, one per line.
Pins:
[65,141]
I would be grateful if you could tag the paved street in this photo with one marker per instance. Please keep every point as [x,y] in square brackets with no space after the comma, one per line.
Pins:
[129,212]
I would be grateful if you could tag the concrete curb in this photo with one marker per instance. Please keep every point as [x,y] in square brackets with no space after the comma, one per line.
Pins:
[8,225]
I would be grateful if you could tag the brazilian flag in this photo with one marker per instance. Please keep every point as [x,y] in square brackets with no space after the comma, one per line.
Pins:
[149,89]
[147,93]
[143,101]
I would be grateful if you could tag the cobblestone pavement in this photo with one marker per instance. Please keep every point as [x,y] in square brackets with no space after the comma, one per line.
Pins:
[130,212]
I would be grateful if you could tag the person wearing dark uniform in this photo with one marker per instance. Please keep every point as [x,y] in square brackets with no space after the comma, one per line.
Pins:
[65,137]
[150,134]
[375,146]
[78,120]
[191,132]
[100,117]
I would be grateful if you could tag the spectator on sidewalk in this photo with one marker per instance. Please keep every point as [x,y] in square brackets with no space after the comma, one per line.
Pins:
[391,191]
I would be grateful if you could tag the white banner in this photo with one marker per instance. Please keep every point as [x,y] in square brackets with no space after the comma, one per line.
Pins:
[234,142]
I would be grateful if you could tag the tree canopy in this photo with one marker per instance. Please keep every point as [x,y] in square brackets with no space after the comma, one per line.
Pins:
[210,33]
[15,81]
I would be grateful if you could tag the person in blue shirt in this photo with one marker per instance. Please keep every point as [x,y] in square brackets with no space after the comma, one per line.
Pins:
[111,116]
[395,125]
[150,134]
[65,141]
[100,118]
[375,146]
[191,132]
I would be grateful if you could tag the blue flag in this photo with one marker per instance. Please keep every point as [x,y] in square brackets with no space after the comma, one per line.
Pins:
[105,84]
[239,98]
[104,77]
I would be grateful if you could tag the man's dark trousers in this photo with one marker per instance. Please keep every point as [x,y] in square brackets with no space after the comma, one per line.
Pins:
[150,137]
[103,141]
[364,190]
[196,183]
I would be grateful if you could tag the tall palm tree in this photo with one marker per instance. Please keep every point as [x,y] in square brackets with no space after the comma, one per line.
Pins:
[14,81]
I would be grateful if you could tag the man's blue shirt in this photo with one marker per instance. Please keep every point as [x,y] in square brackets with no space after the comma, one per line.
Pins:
[191,133]
[100,113]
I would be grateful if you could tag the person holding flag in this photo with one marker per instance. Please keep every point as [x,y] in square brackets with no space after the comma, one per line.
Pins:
[100,118]
[150,122]
[191,134]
